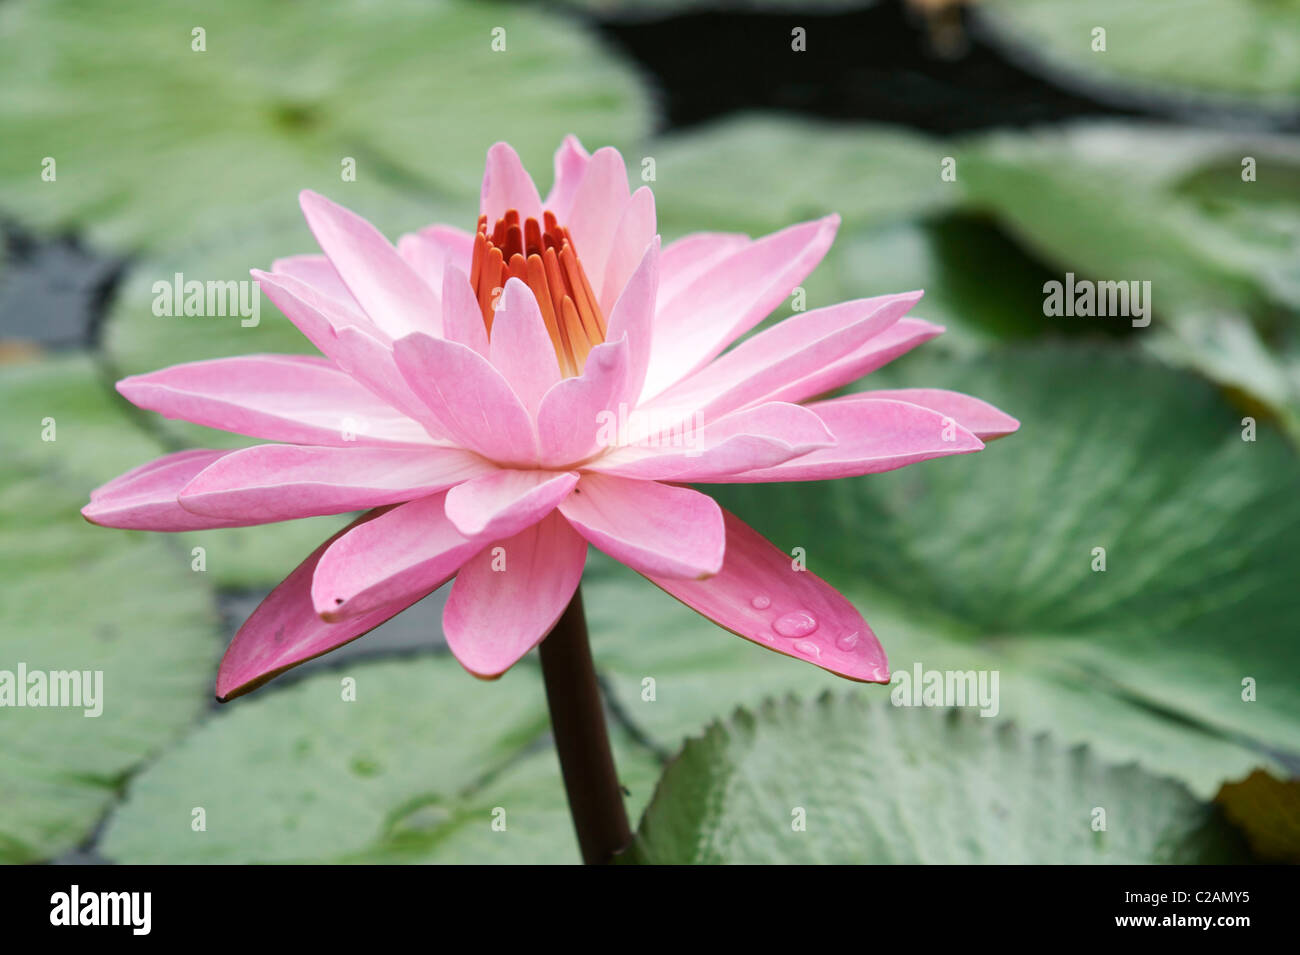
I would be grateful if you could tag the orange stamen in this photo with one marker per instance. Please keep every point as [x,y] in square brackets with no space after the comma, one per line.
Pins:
[543,256]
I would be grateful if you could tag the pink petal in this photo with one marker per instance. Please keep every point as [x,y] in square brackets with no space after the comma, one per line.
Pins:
[786,353]
[317,313]
[373,363]
[633,315]
[757,437]
[635,230]
[597,210]
[574,413]
[431,251]
[462,322]
[507,185]
[285,630]
[900,338]
[316,271]
[469,397]
[509,596]
[978,417]
[570,166]
[291,398]
[350,340]
[874,435]
[690,257]
[504,502]
[396,299]
[280,482]
[403,553]
[653,528]
[521,347]
[760,596]
[144,498]
[731,298]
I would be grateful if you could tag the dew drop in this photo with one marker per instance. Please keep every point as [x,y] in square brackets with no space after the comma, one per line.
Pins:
[808,648]
[798,623]
[761,602]
[848,642]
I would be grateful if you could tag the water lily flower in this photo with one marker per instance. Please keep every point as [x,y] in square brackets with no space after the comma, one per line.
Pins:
[496,400]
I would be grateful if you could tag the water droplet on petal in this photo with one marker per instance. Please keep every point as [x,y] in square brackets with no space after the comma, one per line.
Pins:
[848,642]
[808,648]
[761,602]
[797,623]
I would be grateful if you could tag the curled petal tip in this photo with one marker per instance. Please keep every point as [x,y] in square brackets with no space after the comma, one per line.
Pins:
[1008,425]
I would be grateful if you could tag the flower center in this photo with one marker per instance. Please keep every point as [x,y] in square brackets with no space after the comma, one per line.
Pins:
[544,258]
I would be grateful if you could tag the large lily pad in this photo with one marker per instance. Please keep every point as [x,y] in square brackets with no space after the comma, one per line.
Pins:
[759,173]
[1124,202]
[1216,51]
[154,140]
[1262,373]
[842,781]
[62,413]
[672,671]
[125,606]
[987,561]
[412,770]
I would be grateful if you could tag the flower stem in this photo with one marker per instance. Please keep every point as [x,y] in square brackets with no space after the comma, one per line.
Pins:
[581,739]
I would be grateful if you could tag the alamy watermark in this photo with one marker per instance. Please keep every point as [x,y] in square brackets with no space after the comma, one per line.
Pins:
[922,687]
[1084,298]
[82,689]
[74,907]
[649,428]
[212,299]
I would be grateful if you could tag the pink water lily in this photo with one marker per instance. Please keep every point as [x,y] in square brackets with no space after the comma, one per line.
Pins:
[496,401]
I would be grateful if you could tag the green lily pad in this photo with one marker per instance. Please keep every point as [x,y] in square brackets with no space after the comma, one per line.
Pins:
[842,781]
[529,806]
[124,606]
[987,561]
[1264,375]
[758,173]
[671,671]
[1223,51]
[414,769]
[61,413]
[1128,202]
[155,141]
